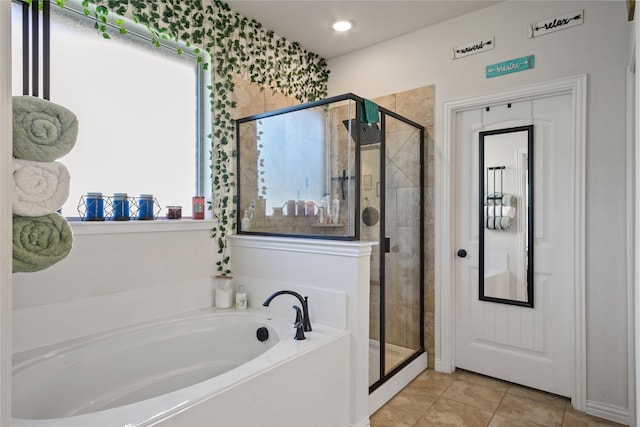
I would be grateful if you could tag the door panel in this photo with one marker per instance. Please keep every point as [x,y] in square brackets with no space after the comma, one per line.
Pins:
[528,346]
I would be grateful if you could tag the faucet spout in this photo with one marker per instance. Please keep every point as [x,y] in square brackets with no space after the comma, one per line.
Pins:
[306,322]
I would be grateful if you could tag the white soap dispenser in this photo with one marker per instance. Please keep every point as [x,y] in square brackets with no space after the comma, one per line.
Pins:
[241,298]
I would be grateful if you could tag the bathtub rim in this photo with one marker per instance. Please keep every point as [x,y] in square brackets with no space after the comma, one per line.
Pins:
[153,410]
[24,358]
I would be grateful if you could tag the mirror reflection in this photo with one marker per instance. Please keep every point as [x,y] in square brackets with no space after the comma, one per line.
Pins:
[506,222]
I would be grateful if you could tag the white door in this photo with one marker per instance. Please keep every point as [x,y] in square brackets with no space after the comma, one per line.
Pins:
[529,346]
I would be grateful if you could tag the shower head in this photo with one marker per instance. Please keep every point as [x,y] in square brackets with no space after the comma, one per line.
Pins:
[369,133]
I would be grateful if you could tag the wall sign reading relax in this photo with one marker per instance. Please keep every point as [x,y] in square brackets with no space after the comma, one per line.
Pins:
[557,23]
[510,66]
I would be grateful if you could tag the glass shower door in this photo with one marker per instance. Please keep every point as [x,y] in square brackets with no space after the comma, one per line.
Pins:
[391,184]
[370,229]
[403,296]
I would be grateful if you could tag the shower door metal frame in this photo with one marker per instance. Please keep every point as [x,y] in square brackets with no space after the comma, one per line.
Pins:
[384,377]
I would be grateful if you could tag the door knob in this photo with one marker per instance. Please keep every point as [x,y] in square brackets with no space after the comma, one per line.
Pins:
[462,253]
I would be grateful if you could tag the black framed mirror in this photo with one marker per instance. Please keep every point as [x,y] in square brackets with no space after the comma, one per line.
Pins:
[506,216]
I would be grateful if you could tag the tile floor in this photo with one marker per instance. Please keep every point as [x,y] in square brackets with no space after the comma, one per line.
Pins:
[467,399]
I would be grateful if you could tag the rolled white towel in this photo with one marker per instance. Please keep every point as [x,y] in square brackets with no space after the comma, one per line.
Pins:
[497,223]
[40,188]
[500,199]
[508,211]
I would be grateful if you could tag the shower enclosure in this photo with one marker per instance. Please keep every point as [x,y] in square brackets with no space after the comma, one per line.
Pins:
[333,169]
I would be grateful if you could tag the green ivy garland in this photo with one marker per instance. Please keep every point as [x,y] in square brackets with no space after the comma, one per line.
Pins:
[237,46]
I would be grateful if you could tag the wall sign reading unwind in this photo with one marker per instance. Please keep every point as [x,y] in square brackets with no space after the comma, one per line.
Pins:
[510,66]
[472,47]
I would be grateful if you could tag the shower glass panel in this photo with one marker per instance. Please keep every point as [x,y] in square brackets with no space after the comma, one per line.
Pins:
[392,213]
[297,170]
[403,255]
[370,204]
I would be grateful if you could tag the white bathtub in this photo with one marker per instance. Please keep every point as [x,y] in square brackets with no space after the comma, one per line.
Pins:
[157,373]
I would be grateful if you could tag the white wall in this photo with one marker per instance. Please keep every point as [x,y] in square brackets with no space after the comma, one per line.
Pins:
[134,273]
[599,48]
[5,212]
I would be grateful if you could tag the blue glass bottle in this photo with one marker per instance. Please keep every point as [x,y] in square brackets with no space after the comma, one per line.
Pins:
[95,207]
[120,207]
[145,207]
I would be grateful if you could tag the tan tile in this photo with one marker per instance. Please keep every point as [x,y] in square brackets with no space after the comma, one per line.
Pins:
[447,412]
[432,382]
[529,411]
[417,104]
[275,100]
[498,421]
[385,417]
[573,418]
[538,396]
[408,405]
[475,395]
[429,337]
[387,101]
[483,380]
[249,98]
[429,140]
[429,294]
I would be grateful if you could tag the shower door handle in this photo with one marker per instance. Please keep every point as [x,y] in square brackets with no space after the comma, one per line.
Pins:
[387,244]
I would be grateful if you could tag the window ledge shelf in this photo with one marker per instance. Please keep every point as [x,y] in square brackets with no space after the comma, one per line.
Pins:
[155,226]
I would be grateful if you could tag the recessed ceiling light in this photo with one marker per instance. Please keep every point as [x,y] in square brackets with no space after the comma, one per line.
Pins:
[342,25]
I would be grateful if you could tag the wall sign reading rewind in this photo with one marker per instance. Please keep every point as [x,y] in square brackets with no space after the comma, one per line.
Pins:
[510,66]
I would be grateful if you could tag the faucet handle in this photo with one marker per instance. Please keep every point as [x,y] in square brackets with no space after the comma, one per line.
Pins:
[299,331]
[298,324]
[298,314]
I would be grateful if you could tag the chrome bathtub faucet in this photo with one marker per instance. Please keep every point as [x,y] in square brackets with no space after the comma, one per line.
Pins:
[306,323]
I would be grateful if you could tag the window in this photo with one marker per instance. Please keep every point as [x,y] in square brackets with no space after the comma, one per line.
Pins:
[139,110]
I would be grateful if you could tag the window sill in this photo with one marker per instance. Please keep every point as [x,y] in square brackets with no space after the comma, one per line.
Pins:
[155,226]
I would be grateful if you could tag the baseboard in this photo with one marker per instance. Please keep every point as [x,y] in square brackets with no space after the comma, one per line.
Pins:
[439,366]
[363,423]
[608,412]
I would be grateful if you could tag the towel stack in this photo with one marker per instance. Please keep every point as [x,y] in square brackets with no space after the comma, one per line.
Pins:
[42,133]
[500,199]
[499,210]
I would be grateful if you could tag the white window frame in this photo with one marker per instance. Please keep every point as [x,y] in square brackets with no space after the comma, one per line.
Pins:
[202,181]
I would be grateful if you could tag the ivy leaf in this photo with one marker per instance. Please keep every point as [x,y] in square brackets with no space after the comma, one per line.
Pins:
[237,45]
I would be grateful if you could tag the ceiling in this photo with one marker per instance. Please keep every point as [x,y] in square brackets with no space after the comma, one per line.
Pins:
[309,21]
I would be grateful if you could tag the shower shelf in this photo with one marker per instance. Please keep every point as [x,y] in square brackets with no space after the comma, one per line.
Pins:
[319,225]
